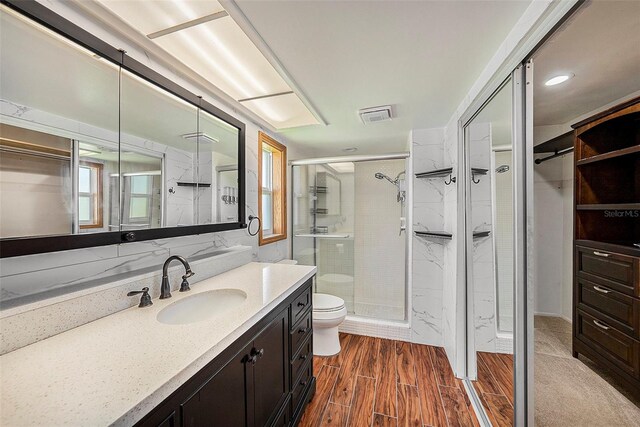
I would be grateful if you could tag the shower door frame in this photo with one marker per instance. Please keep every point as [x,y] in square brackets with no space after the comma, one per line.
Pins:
[406,156]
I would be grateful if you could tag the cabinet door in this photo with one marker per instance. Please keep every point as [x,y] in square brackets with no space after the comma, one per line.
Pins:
[271,374]
[222,401]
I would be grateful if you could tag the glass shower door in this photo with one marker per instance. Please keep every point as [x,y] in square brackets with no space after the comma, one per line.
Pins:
[323,220]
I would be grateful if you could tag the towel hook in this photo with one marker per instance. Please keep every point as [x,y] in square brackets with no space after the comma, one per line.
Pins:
[451,179]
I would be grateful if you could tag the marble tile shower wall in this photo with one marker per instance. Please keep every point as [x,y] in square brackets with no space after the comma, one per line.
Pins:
[484,290]
[450,287]
[427,153]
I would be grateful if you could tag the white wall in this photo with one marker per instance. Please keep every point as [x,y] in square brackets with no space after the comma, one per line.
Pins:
[21,276]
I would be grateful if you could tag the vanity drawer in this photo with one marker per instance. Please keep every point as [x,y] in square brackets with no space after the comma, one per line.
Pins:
[300,305]
[299,359]
[619,310]
[300,332]
[300,385]
[616,271]
[620,349]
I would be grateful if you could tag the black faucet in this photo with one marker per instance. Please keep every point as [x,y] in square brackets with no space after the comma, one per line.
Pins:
[165,289]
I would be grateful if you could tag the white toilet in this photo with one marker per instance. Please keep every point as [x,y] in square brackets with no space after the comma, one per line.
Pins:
[328,313]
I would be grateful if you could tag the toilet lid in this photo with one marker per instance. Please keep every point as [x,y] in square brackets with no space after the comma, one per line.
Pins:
[325,302]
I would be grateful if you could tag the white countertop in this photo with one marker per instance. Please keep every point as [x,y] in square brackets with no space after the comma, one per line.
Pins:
[117,369]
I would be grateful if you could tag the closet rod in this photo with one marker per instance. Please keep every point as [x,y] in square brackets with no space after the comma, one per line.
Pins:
[554,155]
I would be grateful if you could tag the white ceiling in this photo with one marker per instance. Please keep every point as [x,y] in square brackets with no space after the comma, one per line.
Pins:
[600,44]
[419,56]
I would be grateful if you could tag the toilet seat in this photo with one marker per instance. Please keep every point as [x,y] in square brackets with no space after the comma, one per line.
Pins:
[324,303]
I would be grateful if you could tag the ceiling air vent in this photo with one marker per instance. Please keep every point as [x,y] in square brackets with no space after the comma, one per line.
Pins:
[375,114]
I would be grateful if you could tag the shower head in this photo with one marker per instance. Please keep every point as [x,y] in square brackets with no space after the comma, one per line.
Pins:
[380,175]
[502,169]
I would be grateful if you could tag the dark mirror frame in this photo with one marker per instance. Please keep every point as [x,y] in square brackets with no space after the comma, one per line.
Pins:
[12,247]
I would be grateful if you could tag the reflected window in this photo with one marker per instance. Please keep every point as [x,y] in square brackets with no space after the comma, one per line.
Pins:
[90,195]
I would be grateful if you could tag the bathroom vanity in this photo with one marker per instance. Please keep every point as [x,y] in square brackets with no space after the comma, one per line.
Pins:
[249,364]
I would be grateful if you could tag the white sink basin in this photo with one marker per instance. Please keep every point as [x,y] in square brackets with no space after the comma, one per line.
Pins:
[202,306]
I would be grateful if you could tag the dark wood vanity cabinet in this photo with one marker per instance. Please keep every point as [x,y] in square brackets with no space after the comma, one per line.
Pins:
[265,378]
[606,318]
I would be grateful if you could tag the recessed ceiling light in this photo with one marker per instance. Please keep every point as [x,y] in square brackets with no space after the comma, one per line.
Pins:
[558,79]
[350,150]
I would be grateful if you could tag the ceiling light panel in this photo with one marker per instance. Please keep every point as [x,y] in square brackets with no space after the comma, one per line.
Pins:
[151,16]
[282,112]
[220,52]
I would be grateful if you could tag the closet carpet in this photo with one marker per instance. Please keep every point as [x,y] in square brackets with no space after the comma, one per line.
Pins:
[574,392]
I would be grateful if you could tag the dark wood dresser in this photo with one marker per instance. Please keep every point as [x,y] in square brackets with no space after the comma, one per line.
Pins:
[606,316]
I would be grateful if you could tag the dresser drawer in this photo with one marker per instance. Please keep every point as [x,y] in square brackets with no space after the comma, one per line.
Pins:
[298,360]
[616,271]
[619,310]
[300,385]
[300,332]
[615,346]
[300,305]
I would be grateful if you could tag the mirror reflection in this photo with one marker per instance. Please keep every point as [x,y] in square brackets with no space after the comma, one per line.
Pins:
[89,147]
[488,139]
[58,111]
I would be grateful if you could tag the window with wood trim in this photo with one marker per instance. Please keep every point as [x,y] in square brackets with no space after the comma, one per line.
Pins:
[90,195]
[272,189]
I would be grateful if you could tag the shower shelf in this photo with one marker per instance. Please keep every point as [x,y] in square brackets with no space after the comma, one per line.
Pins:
[479,234]
[436,234]
[438,173]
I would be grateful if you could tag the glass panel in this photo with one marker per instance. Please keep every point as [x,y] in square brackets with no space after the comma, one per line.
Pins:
[267,213]
[159,142]
[267,168]
[341,213]
[84,208]
[488,141]
[140,184]
[56,101]
[139,207]
[84,180]
[217,147]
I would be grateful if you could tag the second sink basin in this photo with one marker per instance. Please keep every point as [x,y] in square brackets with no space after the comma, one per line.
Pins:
[201,306]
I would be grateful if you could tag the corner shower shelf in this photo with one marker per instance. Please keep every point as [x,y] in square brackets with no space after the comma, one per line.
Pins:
[436,234]
[193,184]
[435,173]
[479,234]
[438,173]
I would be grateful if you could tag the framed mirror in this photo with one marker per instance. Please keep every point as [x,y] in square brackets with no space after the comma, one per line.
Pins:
[98,149]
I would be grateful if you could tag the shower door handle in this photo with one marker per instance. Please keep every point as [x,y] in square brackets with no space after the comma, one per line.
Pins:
[403,225]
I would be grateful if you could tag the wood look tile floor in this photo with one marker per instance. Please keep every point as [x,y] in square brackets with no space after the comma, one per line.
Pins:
[380,382]
[495,387]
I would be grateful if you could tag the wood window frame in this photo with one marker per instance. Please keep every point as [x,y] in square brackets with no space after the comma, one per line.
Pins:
[97,196]
[279,189]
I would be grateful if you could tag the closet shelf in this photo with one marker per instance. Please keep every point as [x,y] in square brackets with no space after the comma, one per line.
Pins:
[610,155]
[435,234]
[559,143]
[608,206]
[438,173]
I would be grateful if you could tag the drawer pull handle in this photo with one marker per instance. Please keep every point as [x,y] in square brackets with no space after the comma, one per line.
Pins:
[601,325]
[601,290]
[303,383]
[302,330]
[301,304]
[303,357]
[602,254]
